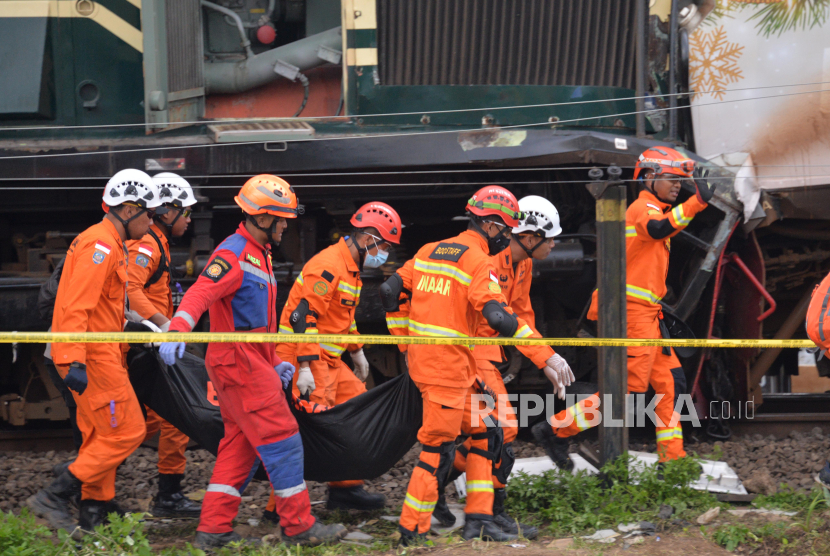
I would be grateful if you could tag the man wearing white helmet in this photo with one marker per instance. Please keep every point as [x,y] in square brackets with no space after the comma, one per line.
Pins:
[532,239]
[150,296]
[90,298]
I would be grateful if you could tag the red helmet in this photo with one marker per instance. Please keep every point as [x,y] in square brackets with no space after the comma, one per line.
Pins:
[496,200]
[267,194]
[382,217]
[664,160]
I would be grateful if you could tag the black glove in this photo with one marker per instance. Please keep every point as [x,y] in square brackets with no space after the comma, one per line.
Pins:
[705,190]
[76,378]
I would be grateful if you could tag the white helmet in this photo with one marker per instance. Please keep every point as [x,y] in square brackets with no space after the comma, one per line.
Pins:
[131,186]
[540,216]
[174,190]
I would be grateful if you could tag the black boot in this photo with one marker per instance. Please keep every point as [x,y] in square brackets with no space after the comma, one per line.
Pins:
[57,471]
[556,448]
[442,512]
[354,498]
[171,502]
[484,528]
[317,534]
[54,503]
[507,523]
[271,516]
[93,514]
[823,477]
[208,541]
[410,538]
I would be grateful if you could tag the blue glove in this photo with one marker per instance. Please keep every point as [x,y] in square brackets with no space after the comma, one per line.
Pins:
[286,372]
[76,378]
[170,351]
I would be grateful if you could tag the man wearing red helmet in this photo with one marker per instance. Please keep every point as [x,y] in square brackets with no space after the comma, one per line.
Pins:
[650,223]
[239,289]
[323,300]
[448,288]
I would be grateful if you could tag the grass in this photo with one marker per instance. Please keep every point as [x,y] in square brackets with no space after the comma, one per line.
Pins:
[581,503]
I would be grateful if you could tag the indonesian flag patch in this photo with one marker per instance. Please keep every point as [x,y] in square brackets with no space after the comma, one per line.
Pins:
[101,246]
[494,277]
[146,249]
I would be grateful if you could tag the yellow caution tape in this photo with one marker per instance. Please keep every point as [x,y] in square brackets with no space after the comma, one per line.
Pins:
[255,338]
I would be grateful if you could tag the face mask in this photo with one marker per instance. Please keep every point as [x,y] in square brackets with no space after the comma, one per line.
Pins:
[375,261]
[498,244]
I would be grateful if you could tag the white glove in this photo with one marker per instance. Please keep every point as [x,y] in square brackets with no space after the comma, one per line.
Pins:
[361,366]
[151,325]
[558,364]
[305,380]
[165,327]
[553,377]
[132,316]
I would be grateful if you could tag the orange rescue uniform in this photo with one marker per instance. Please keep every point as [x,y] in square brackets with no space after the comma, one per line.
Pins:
[450,283]
[649,227]
[514,280]
[91,298]
[330,282]
[146,255]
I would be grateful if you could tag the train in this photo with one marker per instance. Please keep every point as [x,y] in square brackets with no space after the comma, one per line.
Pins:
[419,103]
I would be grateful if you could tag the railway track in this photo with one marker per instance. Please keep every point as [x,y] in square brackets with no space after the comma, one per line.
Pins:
[36,440]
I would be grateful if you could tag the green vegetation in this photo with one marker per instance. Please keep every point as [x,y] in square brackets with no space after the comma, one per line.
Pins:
[581,503]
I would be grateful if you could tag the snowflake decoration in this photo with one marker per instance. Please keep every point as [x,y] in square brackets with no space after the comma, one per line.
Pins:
[713,61]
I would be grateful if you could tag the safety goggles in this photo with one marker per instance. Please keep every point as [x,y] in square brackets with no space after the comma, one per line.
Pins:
[150,212]
[658,165]
[380,243]
[500,226]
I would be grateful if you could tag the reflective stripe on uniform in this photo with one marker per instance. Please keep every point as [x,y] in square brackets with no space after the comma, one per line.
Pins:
[577,413]
[418,505]
[224,489]
[288,330]
[523,332]
[397,323]
[332,349]
[630,231]
[258,272]
[300,279]
[665,435]
[186,316]
[444,270]
[680,216]
[479,486]
[428,329]
[349,289]
[290,491]
[641,293]
[353,327]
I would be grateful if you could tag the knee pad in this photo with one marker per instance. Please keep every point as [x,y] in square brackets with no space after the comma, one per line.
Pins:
[508,458]
[495,441]
[679,382]
[446,453]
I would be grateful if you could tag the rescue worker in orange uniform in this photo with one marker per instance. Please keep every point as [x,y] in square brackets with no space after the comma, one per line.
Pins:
[150,296]
[239,289]
[650,223]
[323,300]
[451,286]
[91,298]
[532,239]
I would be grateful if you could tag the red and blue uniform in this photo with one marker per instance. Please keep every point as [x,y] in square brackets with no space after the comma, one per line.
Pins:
[239,289]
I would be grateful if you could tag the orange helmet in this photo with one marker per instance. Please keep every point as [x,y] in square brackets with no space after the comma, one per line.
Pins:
[664,160]
[382,217]
[267,194]
[496,200]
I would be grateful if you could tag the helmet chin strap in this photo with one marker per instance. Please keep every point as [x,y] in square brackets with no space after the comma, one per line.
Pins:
[654,192]
[361,253]
[126,223]
[270,231]
[173,223]
[533,250]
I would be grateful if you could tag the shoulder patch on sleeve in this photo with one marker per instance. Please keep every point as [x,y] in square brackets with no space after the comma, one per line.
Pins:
[448,252]
[217,268]
[327,276]
[142,261]
[653,212]
[320,288]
